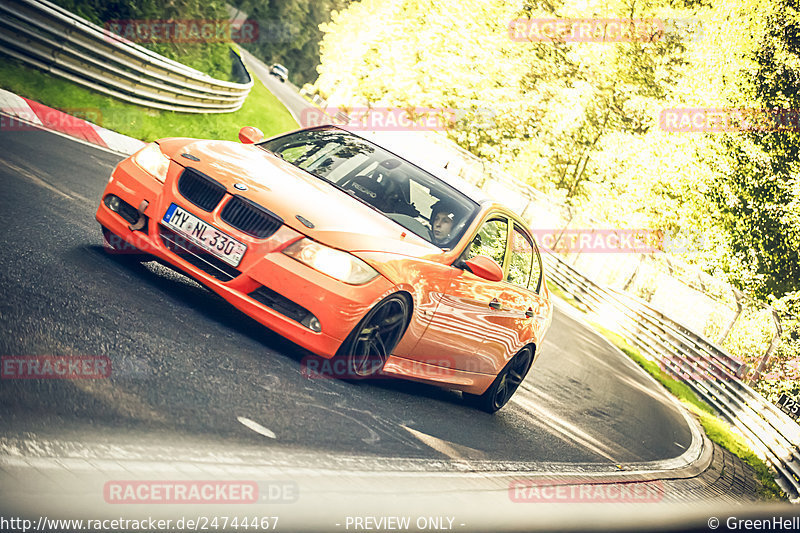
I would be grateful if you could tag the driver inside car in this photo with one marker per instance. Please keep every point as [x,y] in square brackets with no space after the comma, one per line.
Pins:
[443,219]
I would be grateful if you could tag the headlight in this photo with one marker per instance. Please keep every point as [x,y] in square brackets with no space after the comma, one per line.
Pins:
[152,161]
[334,263]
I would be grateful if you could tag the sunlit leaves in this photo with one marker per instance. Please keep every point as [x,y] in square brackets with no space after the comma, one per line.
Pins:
[580,120]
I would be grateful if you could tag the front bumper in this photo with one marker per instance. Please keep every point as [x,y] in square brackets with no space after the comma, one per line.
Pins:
[336,305]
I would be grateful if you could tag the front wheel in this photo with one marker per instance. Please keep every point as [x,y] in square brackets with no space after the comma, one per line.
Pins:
[505,384]
[370,344]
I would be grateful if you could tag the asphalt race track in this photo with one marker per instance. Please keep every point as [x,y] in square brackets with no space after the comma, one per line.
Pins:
[186,367]
[198,393]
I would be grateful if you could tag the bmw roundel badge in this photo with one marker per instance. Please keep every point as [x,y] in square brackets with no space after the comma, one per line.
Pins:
[240,186]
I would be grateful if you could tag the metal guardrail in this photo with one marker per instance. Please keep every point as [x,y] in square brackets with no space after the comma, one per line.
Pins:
[714,375]
[52,39]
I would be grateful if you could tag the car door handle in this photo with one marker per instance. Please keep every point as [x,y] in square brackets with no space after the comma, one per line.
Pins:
[495,304]
[529,312]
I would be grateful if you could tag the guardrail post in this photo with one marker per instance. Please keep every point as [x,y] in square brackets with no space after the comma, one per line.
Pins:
[524,213]
[561,233]
[739,307]
[763,365]
[635,272]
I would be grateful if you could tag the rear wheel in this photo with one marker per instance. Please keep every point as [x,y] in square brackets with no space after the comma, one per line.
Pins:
[505,384]
[369,345]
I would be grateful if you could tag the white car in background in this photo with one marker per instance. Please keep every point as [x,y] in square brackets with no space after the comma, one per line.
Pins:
[279,71]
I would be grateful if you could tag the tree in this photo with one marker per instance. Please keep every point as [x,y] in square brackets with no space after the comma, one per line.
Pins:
[289,32]
[757,193]
[547,97]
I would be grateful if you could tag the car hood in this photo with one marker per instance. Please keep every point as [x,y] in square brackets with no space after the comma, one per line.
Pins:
[339,220]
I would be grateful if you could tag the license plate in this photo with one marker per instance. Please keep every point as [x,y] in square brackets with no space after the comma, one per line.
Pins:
[790,406]
[204,235]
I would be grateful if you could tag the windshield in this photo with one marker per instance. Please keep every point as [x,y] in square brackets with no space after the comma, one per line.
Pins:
[406,194]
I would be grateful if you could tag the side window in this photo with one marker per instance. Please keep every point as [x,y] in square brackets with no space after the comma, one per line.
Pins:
[521,263]
[491,241]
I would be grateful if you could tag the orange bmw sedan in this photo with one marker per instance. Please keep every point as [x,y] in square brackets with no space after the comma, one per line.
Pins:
[345,248]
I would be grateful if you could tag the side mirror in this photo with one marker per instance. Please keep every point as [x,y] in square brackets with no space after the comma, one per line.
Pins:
[250,135]
[485,267]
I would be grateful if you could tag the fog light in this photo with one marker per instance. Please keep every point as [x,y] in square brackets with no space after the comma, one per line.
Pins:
[113,202]
[312,323]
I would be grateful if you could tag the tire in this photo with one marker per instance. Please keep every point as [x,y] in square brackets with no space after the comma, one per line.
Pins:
[504,385]
[119,247]
[369,345]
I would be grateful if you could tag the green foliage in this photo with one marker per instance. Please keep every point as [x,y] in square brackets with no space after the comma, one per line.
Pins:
[490,241]
[212,58]
[289,32]
[757,204]
[750,336]
[757,186]
[100,11]
[554,99]
[521,261]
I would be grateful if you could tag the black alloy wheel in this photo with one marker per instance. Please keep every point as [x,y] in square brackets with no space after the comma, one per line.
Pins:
[505,384]
[370,344]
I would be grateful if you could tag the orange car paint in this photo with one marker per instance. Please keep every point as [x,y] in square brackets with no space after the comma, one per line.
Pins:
[454,338]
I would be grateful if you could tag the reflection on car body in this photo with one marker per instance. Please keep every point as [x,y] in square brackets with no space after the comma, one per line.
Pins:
[346,249]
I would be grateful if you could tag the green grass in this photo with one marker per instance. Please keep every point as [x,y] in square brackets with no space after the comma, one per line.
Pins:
[212,58]
[261,109]
[716,429]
